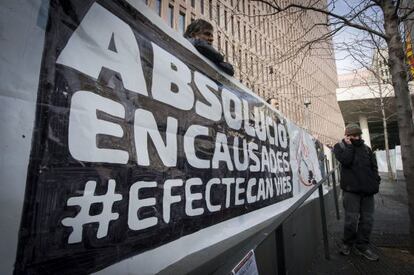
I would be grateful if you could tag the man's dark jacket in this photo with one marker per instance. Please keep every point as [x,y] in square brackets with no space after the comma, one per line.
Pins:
[359,170]
[208,51]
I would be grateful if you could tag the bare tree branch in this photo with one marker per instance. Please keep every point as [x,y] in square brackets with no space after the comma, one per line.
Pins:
[346,21]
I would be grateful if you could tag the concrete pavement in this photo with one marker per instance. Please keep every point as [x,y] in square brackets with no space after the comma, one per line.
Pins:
[389,238]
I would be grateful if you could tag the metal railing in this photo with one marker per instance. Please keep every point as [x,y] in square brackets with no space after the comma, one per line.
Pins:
[224,263]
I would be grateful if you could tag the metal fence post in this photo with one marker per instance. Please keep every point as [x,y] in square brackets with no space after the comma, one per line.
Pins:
[280,251]
[335,195]
[327,170]
[324,226]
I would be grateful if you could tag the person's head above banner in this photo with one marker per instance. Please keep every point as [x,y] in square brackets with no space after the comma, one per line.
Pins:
[200,34]
[200,29]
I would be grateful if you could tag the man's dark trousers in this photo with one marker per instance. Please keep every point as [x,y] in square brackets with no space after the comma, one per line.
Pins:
[359,218]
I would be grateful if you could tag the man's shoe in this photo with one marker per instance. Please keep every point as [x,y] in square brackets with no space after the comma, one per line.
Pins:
[346,249]
[368,254]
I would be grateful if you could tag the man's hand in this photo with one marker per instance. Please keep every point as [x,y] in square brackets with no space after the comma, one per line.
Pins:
[347,140]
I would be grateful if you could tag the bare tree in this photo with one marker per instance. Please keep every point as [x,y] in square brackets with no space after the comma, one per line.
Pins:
[375,20]
[378,82]
[380,97]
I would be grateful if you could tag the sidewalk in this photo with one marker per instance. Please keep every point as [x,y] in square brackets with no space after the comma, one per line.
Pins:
[389,238]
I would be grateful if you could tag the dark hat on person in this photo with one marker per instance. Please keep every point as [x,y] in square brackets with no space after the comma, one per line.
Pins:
[353,129]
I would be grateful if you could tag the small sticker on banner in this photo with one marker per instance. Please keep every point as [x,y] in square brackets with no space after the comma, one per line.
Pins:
[247,266]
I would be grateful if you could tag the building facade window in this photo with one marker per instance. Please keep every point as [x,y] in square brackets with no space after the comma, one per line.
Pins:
[225,20]
[158,6]
[226,48]
[245,62]
[232,25]
[233,51]
[210,9]
[171,15]
[181,22]
[219,42]
[218,14]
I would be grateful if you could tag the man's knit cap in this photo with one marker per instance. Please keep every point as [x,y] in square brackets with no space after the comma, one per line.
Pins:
[353,129]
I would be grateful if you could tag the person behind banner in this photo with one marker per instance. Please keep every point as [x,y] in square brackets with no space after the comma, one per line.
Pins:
[200,34]
[321,157]
[273,102]
[359,182]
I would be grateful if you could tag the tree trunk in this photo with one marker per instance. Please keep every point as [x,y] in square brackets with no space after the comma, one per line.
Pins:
[384,124]
[404,111]
[387,146]
[387,149]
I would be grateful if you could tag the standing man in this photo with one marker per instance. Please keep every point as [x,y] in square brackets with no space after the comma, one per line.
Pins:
[359,182]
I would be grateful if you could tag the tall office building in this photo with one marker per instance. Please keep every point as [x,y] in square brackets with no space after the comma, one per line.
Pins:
[257,44]
[380,65]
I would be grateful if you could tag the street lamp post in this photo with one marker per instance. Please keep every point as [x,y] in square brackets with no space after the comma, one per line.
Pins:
[307,102]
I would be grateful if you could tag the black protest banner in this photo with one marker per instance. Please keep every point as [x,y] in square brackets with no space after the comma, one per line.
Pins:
[137,142]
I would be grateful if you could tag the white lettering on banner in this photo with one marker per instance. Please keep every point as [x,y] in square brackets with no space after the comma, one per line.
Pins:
[206,86]
[84,126]
[269,124]
[228,182]
[169,199]
[265,159]
[190,197]
[249,195]
[286,164]
[252,148]
[221,152]
[265,190]
[171,80]
[272,159]
[246,116]
[283,138]
[85,203]
[261,192]
[240,166]
[88,49]
[279,159]
[135,203]
[145,126]
[189,146]
[210,206]
[276,137]
[269,188]
[260,124]
[233,119]
[283,185]
[170,85]
[238,191]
